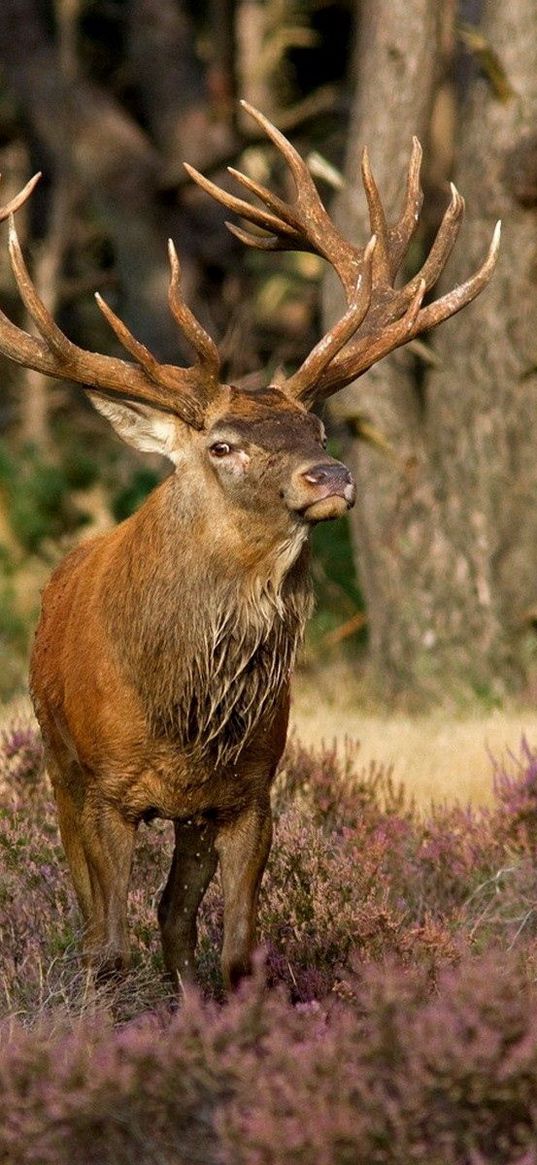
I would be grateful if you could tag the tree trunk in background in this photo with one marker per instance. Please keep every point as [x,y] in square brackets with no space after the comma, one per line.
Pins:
[482,402]
[446,553]
[396,65]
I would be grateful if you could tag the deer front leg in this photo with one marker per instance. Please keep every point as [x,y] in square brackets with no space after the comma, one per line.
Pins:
[99,845]
[193,866]
[243,848]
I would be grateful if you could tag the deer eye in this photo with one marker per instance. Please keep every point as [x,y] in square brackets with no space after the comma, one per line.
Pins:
[220,449]
[324,441]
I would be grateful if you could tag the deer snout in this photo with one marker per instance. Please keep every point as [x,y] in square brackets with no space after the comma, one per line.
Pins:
[324,490]
[335,476]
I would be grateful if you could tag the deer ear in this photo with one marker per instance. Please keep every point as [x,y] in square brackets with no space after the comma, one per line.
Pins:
[145,428]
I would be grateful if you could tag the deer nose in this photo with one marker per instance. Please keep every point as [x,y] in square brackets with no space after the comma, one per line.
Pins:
[321,490]
[329,474]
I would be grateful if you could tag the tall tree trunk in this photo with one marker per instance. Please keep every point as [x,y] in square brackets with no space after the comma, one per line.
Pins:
[396,64]
[437,528]
[481,401]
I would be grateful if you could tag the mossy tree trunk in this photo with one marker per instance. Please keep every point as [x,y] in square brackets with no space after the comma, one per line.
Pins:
[445,530]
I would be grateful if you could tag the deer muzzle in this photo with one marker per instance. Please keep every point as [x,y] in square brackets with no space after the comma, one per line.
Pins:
[327,490]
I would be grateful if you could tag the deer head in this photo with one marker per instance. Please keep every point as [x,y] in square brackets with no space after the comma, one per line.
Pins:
[265,449]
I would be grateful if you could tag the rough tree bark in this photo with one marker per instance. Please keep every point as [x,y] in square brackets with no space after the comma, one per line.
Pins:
[445,532]
[481,401]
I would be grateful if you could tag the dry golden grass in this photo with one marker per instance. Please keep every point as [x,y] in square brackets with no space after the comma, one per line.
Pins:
[438,757]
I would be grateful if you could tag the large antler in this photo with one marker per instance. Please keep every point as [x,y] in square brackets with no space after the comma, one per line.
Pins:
[380,317]
[184,391]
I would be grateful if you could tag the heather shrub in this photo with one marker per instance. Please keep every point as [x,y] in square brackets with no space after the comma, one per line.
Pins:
[456,849]
[33,888]
[356,875]
[21,751]
[95,1094]
[393,1073]
[338,790]
[400,952]
[401,1076]
[323,902]
[515,786]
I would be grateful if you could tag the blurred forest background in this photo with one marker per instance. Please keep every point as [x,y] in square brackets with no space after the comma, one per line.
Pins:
[431,587]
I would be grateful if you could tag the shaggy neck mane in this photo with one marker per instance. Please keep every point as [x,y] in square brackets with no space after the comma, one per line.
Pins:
[209,652]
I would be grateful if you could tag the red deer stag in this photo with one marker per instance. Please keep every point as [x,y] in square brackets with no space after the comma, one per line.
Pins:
[160,672]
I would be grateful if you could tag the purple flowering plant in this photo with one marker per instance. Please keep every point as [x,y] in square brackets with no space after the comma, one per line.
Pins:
[392,1016]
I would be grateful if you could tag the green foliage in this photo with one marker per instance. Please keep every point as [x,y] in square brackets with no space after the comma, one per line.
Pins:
[79,467]
[337,594]
[9,621]
[338,597]
[128,499]
[37,502]
[38,493]
[13,630]
[332,549]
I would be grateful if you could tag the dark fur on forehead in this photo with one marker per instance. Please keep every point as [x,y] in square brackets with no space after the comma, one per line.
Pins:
[267,416]
[257,402]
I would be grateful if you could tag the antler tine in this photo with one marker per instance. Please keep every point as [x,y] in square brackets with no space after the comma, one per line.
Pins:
[324,352]
[46,326]
[401,234]
[434,264]
[445,240]
[183,391]
[302,225]
[310,217]
[394,240]
[204,346]
[377,219]
[368,349]
[260,218]
[452,302]
[15,203]
[274,203]
[259,242]
[303,179]
[141,354]
[202,343]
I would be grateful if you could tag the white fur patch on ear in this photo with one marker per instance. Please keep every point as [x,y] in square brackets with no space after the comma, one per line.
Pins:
[145,428]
